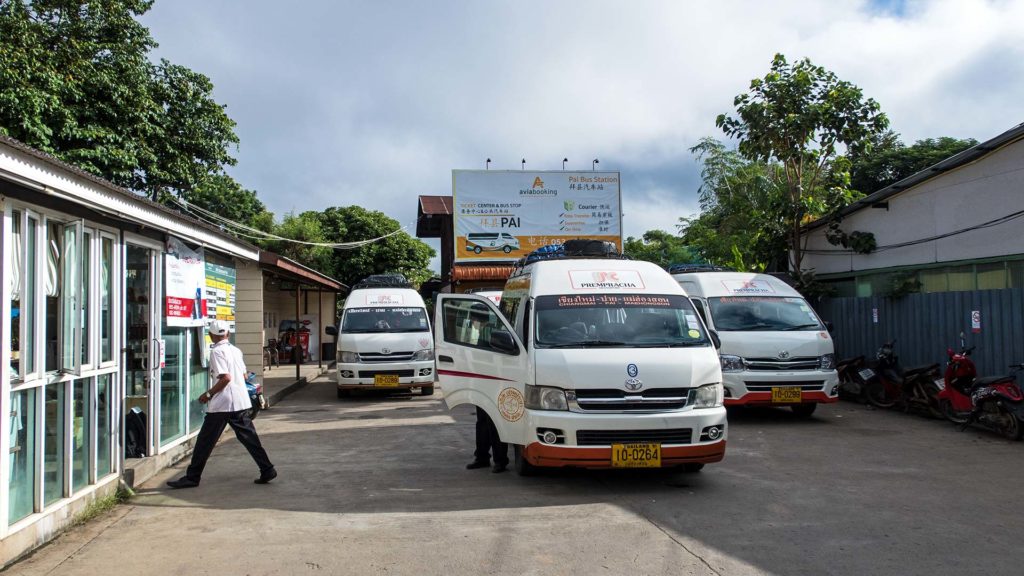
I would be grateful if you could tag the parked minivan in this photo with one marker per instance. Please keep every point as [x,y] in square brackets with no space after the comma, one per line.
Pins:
[384,338]
[775,349]
[589,362]
[478,242]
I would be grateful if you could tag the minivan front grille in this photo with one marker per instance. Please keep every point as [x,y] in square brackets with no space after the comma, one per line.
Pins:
[775,364]
[369,357]
[372,373]
[613,400]
[609,437]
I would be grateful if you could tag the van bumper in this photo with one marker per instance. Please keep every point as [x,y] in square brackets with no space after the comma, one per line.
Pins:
[579,447]
[751,388]
[361,376]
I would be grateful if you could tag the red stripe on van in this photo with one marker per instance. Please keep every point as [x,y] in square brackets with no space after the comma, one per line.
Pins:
[471,375]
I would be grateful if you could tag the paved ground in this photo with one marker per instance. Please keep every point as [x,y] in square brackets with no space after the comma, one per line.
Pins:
[377,486]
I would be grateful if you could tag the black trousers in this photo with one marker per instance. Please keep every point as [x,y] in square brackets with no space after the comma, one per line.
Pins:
[488,442]
[213,427]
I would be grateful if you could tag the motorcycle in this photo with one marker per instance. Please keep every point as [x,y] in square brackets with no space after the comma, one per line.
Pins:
[256,397]
[888,384]
[995,402]
[851,383]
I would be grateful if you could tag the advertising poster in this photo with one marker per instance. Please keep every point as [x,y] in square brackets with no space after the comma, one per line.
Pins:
[221,285]
[502,215]
[185,273]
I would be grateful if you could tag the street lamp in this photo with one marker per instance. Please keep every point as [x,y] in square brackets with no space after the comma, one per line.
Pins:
[564,160]
[594,165]
[524,164]
[487,165]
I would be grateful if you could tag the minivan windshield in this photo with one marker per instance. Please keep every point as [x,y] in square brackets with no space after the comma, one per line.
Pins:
[612,320]
[384,319]
[760,313]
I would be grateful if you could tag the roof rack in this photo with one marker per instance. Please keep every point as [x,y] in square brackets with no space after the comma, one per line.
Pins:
[577,248]
[697,267]
[383,281]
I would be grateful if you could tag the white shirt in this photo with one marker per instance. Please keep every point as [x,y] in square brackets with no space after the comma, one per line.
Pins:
[227,359]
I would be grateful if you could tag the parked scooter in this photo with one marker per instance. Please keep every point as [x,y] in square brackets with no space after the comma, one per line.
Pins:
[851,384]
[913,388]
[256,397]
[995,402]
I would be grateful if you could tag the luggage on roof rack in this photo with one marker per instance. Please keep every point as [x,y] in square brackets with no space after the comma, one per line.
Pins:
[691,267]
[383,281]
[580,248]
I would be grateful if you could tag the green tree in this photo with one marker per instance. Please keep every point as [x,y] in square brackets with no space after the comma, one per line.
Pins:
[400,253]
[76,81]
[222,195]
[304,228]
[803,116]
[660,247]
[888,161]
[742,204]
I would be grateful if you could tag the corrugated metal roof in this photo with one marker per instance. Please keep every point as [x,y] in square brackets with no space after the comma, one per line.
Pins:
[478,272]
[436,205]
[282,264]
[957,160]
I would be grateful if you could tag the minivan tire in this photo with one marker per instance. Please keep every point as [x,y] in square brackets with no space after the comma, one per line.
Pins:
[477,249]
[342,394]
[804,410]
[426,390]
[506,249]
[523,468]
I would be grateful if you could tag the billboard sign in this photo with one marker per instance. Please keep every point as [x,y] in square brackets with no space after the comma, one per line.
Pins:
[506,214]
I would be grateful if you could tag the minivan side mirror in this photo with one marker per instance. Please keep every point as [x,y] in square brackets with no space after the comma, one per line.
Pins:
[501,340]
[715,339]
[331,330]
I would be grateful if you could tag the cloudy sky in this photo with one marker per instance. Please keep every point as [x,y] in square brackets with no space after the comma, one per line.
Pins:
[375,102]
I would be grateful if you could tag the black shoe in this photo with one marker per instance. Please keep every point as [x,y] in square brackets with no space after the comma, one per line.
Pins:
[183,482]
[266,477]
[499,468]
[477,464]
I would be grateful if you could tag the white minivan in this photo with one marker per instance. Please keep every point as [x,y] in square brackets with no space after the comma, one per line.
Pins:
[775,350]
[384,340]
[589,363]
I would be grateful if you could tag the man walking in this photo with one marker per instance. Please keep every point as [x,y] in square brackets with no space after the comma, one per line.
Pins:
[227,404]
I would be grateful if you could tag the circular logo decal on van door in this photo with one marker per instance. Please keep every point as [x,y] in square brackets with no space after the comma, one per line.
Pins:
[511,404]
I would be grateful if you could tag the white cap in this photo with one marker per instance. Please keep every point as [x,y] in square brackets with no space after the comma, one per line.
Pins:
[219,327]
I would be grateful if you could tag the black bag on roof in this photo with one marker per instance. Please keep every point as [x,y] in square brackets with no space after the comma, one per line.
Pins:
[384,281]
[590,248]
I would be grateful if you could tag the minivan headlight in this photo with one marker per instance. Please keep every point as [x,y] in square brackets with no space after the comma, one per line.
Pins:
[348,357]
[732,363]
[425,354]
[545,398]
[708,396]
[827,362]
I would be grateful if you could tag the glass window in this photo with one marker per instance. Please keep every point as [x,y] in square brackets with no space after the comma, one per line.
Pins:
[991,276]
[761,313]
[71,301]
[52,279]
[22,481]
[384,319]
[106,299]
[104,430]
[469,323]
[28,299]
[198,378]
[172,385]
[53,442]
[17,270]
[1016,273]
[81,432]
[85,274]
[961,278]
[610,320]
[934,280]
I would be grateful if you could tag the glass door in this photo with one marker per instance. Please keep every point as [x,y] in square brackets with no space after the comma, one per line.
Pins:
[142,347]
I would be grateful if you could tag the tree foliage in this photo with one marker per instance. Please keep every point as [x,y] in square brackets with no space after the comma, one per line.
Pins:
[889,160]
[804,117]
[76,81]
[659,247]
[222,195]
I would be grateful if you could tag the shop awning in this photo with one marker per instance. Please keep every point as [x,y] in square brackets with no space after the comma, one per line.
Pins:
[291,269]
[462,272]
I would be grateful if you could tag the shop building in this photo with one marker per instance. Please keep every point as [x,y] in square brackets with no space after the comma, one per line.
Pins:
[105,295]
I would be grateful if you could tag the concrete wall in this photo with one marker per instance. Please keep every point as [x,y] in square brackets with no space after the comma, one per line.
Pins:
[280,305]
[989,188]
[249,336]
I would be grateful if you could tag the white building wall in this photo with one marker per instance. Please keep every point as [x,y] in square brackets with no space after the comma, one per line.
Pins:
[987,189]
[249,335]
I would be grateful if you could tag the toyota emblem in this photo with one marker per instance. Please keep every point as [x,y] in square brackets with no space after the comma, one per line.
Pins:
[634,384]
[385,350]
[783,355]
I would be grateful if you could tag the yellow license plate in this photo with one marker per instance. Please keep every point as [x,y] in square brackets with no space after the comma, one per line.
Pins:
[786,394]
[636,455]
[385,380]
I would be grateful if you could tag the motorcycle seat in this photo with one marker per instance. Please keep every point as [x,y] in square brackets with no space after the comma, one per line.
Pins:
[920,370]
[990,380]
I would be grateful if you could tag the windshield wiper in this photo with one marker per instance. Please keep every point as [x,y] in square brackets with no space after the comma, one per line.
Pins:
[803,326]
[687,344]
[759,326]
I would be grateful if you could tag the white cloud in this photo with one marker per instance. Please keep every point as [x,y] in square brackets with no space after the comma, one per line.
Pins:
[375,103]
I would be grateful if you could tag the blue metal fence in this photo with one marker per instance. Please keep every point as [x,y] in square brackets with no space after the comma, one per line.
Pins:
[925,325]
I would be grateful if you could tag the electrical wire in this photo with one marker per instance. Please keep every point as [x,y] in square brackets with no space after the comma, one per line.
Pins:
[257,234]
[989,224]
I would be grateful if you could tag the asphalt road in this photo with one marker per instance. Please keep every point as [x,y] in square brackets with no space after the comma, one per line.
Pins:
[377,485]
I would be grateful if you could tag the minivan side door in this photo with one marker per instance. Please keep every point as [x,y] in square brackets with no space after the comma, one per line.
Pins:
[481,361]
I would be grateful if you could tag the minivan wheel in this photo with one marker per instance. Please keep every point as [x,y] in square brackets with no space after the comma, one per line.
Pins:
[523,468]
[426,390]
[344,393]
[477,249]
[692,467]
[506,249]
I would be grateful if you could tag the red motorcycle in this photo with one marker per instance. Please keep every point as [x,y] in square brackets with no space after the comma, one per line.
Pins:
[995,402]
